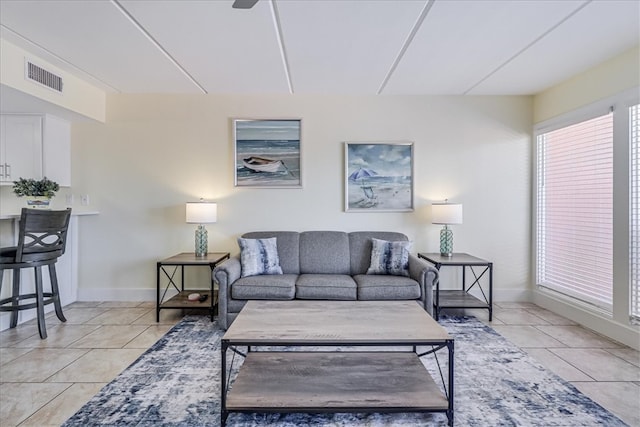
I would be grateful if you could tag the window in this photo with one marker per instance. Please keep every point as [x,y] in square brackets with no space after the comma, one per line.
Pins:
[634,223]
[575,210]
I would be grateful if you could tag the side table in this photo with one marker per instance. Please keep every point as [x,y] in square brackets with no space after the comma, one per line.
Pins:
[180,261]
[461,298]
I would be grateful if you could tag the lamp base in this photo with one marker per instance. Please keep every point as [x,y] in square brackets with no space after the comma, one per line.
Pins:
[446,242]
[202,244]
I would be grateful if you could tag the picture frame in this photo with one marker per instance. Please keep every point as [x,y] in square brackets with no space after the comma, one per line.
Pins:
[267,153]
[378,176]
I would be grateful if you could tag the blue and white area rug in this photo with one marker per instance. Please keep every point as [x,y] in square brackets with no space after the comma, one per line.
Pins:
[177,383]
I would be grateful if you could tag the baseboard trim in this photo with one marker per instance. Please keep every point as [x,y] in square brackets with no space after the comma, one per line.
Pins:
[602,324]
[131,294]
[512,295]
[112,294]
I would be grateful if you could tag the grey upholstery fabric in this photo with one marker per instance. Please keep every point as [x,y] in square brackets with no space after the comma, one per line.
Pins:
[235,305]
[427,276]
[225,275]
[324,252]
[327,259]
[326,286]
[288,243]
[360,247]
[386,287]
[273,286]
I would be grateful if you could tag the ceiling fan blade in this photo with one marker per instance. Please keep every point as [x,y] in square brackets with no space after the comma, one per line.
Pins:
[244,4]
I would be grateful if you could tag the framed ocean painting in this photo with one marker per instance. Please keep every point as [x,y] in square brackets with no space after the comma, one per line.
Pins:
[267,153]
[378,177]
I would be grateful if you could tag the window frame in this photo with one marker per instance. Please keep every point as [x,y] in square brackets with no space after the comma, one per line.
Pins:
[634,200]
[621,102]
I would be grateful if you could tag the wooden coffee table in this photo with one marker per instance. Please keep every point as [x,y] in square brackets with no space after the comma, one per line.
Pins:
[331,381]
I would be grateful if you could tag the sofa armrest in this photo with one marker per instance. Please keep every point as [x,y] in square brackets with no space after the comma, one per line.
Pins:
[225,275]
[427,276]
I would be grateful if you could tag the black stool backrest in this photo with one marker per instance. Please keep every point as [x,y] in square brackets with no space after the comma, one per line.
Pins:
[42,235]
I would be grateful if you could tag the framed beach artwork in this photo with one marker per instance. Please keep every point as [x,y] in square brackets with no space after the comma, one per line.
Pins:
[267,153]
[378,177]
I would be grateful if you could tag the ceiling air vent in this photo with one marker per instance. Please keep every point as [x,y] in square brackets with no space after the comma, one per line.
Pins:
[44,77]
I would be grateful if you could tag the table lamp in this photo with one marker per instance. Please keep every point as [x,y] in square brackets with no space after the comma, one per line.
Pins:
[446,214]
[201,213]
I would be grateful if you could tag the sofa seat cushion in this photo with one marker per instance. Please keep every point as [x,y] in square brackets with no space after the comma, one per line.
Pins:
[381,287]
[277,287]
[326,286]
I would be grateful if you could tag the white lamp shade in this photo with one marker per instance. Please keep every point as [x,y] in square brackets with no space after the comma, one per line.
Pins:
[202,212]
[446,213]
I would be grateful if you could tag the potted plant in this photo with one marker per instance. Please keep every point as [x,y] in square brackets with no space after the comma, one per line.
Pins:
[37,192]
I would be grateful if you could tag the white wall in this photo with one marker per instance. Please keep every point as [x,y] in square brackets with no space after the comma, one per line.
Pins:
[617,75]
[155,152]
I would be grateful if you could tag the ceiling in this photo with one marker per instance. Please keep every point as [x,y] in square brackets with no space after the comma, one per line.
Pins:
[480,47]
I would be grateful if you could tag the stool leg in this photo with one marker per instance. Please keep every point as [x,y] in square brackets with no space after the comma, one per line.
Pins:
[56,292]
[14,298]
[40,303]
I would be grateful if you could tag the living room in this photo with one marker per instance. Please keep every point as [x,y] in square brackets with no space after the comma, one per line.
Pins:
[144,155]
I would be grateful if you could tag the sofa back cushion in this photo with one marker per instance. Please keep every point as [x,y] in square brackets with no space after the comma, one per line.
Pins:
[324,252]
[360,247]
[288,243]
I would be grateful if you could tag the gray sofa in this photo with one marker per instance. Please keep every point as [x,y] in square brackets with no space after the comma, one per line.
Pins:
[322,265]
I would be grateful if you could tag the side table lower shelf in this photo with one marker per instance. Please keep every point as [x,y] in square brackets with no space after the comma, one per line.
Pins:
[181,300]
[460,299]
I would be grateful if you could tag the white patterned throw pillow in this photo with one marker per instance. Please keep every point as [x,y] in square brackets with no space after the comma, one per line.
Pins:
[390,257]
[259,256]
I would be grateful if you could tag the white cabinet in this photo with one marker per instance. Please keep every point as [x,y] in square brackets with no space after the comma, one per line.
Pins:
[20,147]
[34,146]
[56,150]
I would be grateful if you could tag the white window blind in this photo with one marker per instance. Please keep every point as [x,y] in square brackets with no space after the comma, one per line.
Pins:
[634,136]
[575,211]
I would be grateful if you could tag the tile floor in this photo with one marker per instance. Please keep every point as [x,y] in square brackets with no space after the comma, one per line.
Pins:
[43,382]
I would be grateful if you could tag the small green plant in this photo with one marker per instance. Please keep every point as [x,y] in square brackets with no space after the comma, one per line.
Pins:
[31,187]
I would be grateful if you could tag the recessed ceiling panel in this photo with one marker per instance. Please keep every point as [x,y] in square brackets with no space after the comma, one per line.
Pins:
[460,42]
[600,31]
[226,50]
[492,47]
[344,46]
[97,38]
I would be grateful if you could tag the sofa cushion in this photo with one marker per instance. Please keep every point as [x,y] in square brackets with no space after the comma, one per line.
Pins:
[326,286]
[324,252]
[288,248]
[278,287]
[259,256]
[360,247]
[389,257]
[373,287]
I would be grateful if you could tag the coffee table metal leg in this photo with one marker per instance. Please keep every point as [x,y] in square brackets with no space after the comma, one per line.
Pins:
[223,382]
[450,347]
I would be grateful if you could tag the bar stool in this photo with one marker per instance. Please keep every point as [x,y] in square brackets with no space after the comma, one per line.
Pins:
[42,240]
